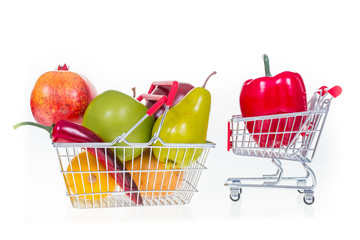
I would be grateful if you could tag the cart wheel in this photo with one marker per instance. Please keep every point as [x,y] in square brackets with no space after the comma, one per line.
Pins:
[309,200]
[236,197]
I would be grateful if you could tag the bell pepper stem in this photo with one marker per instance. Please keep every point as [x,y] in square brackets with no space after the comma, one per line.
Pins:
[47,128]
[267,65]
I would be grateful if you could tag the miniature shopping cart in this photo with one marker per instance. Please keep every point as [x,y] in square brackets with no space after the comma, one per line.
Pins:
[292,136]
[142,180]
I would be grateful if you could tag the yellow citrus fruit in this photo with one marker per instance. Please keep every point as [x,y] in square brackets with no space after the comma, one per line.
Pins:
[89,181]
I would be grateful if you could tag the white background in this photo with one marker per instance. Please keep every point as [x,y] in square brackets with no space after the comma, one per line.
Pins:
[120,45]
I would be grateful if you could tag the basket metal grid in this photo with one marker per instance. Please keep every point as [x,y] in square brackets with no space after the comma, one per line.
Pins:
[91,183]
[158,186]
[292,136]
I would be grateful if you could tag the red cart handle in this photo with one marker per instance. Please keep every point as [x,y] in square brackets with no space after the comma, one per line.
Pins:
[334,91]
[161,99]
[174,87]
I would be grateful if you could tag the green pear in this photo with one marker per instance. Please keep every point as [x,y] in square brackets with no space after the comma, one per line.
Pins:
[186,122]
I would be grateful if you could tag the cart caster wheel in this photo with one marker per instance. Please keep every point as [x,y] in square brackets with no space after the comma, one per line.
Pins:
[309,200]
[235,196]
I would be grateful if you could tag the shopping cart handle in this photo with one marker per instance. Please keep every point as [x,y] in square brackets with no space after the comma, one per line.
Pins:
[174,87]
[161,99]
[334,91]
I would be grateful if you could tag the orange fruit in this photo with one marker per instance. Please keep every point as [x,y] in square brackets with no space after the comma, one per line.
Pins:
[88,181]
[152,176]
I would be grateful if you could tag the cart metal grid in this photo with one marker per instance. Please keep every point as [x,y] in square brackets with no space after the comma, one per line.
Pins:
[292,136]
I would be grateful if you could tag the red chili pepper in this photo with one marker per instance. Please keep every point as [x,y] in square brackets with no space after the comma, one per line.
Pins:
[283,93]
[68,132]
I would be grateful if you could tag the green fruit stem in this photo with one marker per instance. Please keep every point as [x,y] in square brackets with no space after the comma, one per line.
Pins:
[267,65]
[47,128]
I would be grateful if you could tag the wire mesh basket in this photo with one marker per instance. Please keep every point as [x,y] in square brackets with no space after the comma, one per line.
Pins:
[291,136]
[90,184]
[152,175]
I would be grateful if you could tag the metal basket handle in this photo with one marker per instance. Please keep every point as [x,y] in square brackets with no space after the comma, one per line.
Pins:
[174,87]
[170,99]
[161,99]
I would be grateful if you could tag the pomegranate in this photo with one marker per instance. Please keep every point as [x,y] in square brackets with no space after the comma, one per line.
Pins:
[61,94]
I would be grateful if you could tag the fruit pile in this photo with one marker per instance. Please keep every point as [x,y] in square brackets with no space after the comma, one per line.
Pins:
[67,105]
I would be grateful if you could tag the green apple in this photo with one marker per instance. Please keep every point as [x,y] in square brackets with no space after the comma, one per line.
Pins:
[113,113]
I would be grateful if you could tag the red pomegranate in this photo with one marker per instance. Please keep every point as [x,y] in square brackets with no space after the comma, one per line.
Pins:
[61,94]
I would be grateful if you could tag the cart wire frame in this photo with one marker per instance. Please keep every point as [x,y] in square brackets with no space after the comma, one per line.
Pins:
[290,136]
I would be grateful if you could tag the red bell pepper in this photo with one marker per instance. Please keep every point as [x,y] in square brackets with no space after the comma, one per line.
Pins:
[68,132]
[283,93]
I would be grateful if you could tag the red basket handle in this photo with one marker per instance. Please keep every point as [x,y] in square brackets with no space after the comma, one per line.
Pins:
[174,87]
[334,91]
[161,99]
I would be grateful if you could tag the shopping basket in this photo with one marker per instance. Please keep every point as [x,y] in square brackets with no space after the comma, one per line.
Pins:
[291,136]
[145,181]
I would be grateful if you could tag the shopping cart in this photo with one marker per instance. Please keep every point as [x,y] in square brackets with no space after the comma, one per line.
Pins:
[145,181]
[292,136]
